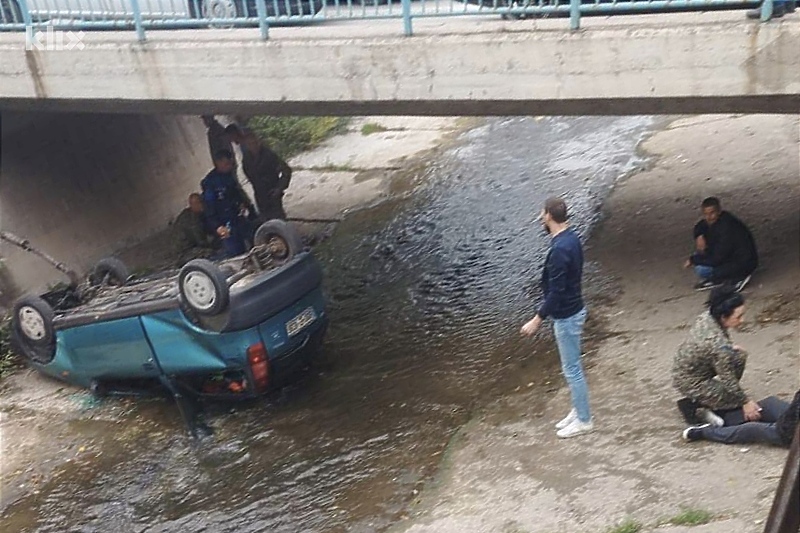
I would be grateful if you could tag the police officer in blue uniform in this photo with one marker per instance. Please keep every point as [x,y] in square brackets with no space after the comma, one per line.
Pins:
[225,204]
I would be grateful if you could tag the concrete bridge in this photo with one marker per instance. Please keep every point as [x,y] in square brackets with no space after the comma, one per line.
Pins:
[91,136]
[645,64]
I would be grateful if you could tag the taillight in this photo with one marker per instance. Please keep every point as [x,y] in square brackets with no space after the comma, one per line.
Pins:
[259,365]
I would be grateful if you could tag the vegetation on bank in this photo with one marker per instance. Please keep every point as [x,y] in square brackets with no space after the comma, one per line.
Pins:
[9,360]
[629,525]
[370,127]
[288,136]
[691,517]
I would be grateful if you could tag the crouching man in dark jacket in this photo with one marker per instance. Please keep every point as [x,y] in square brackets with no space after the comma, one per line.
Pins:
[725,249]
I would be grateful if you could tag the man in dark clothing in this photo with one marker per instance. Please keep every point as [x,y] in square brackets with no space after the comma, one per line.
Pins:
[561,285]
[192,236]
[725,248]
[267,172]
[776,426]
[218,140]
[224,204]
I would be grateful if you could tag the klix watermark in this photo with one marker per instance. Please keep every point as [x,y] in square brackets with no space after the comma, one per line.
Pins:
[53,39]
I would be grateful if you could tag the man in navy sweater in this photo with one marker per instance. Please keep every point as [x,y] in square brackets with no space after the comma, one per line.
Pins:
[561,285]
[224,204]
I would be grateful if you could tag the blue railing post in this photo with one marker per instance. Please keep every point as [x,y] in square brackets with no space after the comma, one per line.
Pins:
[407,17]
[574,14]
[766,10]
[261,10]
[26,18]
[137,20]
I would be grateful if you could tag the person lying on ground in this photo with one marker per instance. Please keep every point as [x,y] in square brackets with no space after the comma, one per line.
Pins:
[707,368]
[725,251]
[777,425]
[192,237]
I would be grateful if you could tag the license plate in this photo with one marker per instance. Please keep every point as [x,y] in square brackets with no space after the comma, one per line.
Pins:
[298,323]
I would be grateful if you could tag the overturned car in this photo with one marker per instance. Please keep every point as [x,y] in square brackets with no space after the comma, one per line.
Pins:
[226,330]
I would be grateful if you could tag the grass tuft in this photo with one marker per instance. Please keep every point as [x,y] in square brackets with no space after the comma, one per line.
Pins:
[370,127]
[628,526]
[691,517]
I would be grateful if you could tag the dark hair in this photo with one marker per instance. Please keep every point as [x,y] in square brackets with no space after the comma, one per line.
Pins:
[233,129]
[723,301]
[196,195]
[556,208]
[219,155]
[711,201]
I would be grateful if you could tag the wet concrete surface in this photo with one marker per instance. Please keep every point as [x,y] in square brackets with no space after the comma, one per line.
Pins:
[426,295]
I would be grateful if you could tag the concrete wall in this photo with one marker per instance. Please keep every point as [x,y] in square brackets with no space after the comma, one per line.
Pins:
[79,185]
[696,63]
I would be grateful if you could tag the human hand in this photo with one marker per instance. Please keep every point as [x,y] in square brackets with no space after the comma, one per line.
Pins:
[223,232]
[700,243]
[687,264]
[530,327]
[751,411]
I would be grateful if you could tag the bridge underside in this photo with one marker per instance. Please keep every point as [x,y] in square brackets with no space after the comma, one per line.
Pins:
[658,64]
[693,105]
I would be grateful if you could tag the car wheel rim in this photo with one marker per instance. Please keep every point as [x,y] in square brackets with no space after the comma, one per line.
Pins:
[199,291]
[31,322]
[278,247]
[219,9]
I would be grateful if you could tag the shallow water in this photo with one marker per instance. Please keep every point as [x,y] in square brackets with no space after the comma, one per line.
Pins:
[426,296]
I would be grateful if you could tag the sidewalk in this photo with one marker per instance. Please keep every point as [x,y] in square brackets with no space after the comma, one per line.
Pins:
[506,471]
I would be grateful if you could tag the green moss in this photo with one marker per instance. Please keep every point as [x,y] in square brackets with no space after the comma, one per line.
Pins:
[288,136]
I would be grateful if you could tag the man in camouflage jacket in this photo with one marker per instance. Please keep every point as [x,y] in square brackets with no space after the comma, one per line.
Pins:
[708,367]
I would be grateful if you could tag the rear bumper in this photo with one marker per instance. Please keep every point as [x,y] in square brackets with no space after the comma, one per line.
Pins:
[283,369]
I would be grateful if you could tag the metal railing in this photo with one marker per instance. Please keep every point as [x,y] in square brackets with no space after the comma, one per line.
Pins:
[35,16]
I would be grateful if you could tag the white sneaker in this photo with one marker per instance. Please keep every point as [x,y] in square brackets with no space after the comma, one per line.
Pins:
[575,428]
[711,418]
[567,420]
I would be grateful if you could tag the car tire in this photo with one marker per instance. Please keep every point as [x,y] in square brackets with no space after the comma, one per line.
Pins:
[203,287]
[109,271]
[215,10]
[282,238]
[32,329]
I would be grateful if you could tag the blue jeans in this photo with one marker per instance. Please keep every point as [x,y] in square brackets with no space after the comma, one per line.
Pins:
[737,431]
[568,338]
[704,272]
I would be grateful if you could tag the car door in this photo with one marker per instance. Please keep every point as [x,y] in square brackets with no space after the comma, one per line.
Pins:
[116,349]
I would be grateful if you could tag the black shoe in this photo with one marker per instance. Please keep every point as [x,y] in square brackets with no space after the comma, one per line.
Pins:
[693,433]
[688,409]
[705,285]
